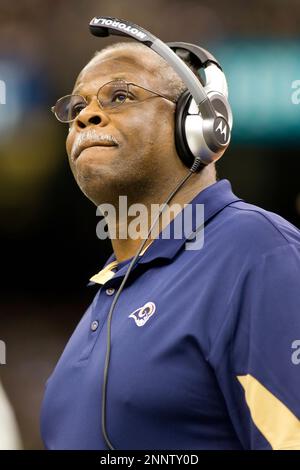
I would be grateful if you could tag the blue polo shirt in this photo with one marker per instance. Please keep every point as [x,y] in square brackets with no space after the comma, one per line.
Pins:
[203,343]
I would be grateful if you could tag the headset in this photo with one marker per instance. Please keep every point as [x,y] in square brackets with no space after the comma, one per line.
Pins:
[203,123]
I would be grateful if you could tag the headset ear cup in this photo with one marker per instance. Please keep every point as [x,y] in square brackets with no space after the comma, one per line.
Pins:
[181,143]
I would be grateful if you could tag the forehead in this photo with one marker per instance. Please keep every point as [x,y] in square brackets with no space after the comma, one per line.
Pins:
[101,70]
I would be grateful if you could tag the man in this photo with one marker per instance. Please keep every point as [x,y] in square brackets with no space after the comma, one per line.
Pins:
[202,341]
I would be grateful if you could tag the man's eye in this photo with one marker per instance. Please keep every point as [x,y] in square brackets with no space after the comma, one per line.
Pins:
[77,108]
[120,97]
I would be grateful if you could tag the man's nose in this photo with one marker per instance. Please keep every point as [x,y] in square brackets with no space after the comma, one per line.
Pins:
[92,115]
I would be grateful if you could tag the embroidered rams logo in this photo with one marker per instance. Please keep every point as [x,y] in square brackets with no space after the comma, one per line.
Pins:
[141,315]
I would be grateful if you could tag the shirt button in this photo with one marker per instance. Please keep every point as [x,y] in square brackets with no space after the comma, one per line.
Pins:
[94,325]
[110,291]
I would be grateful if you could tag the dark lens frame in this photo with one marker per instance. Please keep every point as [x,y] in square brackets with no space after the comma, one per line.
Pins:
[126,89]
[55,108]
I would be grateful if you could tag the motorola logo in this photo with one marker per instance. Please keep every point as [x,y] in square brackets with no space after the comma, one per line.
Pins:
[118,25]
[221,130]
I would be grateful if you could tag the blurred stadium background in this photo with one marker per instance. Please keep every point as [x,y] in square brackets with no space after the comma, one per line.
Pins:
[49,247]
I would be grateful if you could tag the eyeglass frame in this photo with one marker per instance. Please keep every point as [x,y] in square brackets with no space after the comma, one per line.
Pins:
[113,107]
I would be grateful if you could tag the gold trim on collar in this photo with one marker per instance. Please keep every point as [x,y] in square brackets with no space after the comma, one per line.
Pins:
[107,273]
[145,248]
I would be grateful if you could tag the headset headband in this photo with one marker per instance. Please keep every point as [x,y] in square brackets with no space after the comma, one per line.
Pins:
[106,25]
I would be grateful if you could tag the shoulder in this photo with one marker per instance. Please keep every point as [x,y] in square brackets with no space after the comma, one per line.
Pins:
[257,230]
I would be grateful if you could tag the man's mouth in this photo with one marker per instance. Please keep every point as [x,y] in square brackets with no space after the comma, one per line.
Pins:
[98,144]
[101,142]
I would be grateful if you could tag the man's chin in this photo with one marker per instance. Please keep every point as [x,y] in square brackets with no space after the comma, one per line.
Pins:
[96,179]
[94,163]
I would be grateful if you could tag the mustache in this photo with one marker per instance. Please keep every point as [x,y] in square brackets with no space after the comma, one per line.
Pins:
[91,138]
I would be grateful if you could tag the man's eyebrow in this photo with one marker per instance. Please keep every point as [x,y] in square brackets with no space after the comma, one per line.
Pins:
[76,90]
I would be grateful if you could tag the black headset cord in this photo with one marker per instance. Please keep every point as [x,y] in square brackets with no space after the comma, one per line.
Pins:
[197,165]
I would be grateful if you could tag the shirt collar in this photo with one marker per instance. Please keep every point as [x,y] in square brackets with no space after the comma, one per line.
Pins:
[108,271]
[214,198]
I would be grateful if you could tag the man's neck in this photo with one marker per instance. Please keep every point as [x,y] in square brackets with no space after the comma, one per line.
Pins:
[125,248]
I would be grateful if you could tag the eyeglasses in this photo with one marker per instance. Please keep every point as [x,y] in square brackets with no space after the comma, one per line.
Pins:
[110,96]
